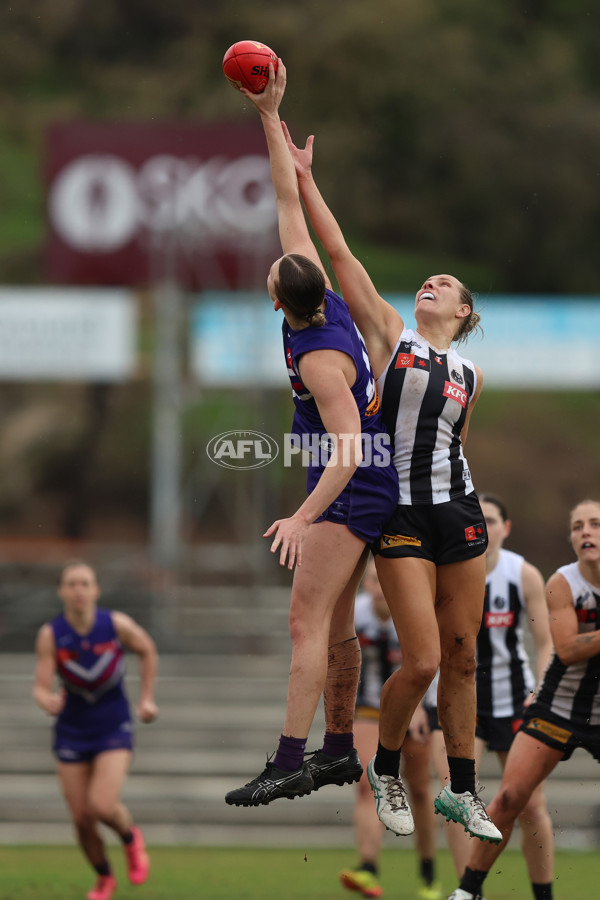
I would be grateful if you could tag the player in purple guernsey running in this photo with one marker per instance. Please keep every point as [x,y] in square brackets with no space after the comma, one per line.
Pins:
[93,733]
[352,491]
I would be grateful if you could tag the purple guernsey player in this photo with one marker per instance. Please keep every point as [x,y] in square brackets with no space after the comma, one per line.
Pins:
[352,491]
[93,734]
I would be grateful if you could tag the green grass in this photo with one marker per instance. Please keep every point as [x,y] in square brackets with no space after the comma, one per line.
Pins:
[60,873]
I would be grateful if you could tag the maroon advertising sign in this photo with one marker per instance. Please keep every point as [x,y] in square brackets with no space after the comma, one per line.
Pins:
[135,203]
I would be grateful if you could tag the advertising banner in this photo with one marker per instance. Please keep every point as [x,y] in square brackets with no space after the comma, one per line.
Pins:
[136,203]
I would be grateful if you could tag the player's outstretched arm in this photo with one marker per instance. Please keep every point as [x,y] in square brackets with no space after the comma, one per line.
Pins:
[378,321]
[293,230]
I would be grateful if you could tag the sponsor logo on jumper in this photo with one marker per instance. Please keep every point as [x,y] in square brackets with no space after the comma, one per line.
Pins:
[399,540]
[474,532]
[554,731]
[438,360]
[587,615]
[499,620]
[410,361]
[498,602]
[454,392]
[457,377]
[405,360]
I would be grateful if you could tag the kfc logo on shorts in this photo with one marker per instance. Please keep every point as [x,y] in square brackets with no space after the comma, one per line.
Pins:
[454,392]
[474,532]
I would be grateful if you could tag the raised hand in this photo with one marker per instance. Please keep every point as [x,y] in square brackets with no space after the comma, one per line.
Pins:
[267,102]
[302,157]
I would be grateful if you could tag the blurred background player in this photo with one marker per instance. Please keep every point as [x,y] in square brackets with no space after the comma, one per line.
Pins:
[335,397]
[381,655]
[514,595]
[93,733]
[565,713]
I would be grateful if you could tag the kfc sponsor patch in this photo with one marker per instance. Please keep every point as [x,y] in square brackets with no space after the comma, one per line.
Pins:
[499,620]
[454,392]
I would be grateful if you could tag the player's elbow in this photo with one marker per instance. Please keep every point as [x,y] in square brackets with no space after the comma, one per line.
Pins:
[568,656]
[337,251]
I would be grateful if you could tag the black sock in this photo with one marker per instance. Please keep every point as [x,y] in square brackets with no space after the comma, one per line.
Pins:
[387,762]
[427,871]
[462,774]
[127,838]
[368,867]
[472,881]
[542,891]
[104,868]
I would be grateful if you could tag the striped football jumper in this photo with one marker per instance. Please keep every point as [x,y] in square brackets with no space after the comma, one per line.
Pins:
[425,397]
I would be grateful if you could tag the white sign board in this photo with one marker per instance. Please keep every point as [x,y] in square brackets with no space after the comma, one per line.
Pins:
[67,334]
[529,342]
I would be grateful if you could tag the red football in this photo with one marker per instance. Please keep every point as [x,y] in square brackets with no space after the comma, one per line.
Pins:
[246,64]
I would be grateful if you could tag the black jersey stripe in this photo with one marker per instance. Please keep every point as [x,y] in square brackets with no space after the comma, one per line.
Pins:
[552,678]
[484,662]
[392,391]
[586,696]
[517,679]
[457,480]
[421,489]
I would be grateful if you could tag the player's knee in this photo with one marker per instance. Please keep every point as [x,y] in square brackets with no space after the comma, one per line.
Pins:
[510,801]
[101,809]
[421,672]
[301,626]
[83,821]
[364,788]
[534,814]
[418,789]
[461,664]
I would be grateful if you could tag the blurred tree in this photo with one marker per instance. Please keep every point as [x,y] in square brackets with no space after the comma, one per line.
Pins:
[444,127]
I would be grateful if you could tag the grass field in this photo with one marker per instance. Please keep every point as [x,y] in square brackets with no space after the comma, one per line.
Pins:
[59,873]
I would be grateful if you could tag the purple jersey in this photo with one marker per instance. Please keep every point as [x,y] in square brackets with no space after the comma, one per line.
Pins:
[372,493]
[91,668]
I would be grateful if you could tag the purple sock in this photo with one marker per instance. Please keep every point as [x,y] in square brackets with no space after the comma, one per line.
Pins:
[290,753]
[338,744]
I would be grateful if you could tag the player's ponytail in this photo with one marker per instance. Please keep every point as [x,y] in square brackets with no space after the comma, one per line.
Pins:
[300,288]
[471,322]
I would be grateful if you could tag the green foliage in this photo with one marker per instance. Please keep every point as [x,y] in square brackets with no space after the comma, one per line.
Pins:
[449,129]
